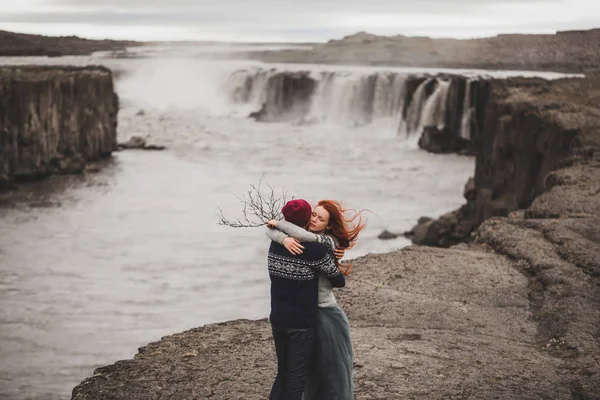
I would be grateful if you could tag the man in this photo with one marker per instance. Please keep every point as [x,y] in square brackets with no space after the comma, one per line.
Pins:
[294,299]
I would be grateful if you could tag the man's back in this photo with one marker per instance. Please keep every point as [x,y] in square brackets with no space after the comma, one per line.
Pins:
[294,287]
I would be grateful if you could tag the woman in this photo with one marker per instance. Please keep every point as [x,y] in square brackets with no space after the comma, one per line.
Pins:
[331,375]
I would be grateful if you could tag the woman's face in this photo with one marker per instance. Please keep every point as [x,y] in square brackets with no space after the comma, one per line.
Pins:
[319,219]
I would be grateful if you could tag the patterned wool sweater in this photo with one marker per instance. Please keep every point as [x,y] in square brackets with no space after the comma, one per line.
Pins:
[285,229]
[294,290]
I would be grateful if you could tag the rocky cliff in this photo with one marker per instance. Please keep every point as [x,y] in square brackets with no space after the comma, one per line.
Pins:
[54,120]
[512,315]
[528,129]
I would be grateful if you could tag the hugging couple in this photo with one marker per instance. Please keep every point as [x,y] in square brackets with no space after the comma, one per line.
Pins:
[311,332]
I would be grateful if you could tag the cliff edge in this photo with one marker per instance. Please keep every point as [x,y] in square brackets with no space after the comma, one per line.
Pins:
[54,120]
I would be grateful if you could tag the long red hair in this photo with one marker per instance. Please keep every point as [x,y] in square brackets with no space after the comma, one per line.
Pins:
[344,225]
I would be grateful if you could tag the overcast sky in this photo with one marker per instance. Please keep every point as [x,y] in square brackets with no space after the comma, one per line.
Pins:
[297,20]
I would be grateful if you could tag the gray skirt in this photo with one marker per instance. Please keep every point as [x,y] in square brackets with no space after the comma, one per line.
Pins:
[330,374]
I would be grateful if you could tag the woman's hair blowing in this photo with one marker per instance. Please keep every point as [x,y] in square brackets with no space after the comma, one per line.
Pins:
[344,225]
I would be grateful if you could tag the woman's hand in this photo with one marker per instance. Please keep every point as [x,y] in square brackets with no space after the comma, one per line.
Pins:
[272,223]
[339,253]
[293,245]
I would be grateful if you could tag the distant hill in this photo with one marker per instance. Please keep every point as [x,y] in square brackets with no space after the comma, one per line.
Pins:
[21,44]
[568,51]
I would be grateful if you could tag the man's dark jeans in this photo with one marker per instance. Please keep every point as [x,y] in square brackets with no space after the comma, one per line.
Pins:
[294,349]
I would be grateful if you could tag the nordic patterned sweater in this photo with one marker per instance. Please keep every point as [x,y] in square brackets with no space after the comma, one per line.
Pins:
[285,229]
[294,291]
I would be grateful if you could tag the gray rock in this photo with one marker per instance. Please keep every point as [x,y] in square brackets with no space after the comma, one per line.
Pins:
[386,235]
[135,142]
[154,147]
[470,190]
[61,164]
[139,143]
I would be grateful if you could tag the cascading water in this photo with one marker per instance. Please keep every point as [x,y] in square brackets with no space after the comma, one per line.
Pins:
[335,98]
[347,98]
[465,123]
[389,95]
[249,86]
[344,98]
[410,102]
[434,110]
[412,119]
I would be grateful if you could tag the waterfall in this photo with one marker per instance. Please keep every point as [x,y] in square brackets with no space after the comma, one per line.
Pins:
[412,121]
[434,110]
[412,103]
[259,92]
[347,98]
[399,90]
[397,104]
[382,96]
[334,99]
[344,98]
[249,86]
[465,123]
[357,99]
[389,95]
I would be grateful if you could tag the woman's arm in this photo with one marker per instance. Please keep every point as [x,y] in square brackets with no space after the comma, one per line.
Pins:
[302,235]
[275,235]
[296,232]
[291,244]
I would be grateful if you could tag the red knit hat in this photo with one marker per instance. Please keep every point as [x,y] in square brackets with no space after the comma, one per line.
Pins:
[297,212]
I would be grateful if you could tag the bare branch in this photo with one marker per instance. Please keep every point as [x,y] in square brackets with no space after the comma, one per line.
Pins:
[258,207]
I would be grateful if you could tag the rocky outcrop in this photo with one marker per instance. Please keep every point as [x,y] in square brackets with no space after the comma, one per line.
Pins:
[55,119]
[556,244]
[529,128]
[139,143]
[569,51]
[446,111]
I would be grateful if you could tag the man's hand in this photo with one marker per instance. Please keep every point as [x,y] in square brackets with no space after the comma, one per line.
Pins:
[272,223]
[293,245]
[339,253]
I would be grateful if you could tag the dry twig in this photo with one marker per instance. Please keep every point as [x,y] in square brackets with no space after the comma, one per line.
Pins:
[259,206]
